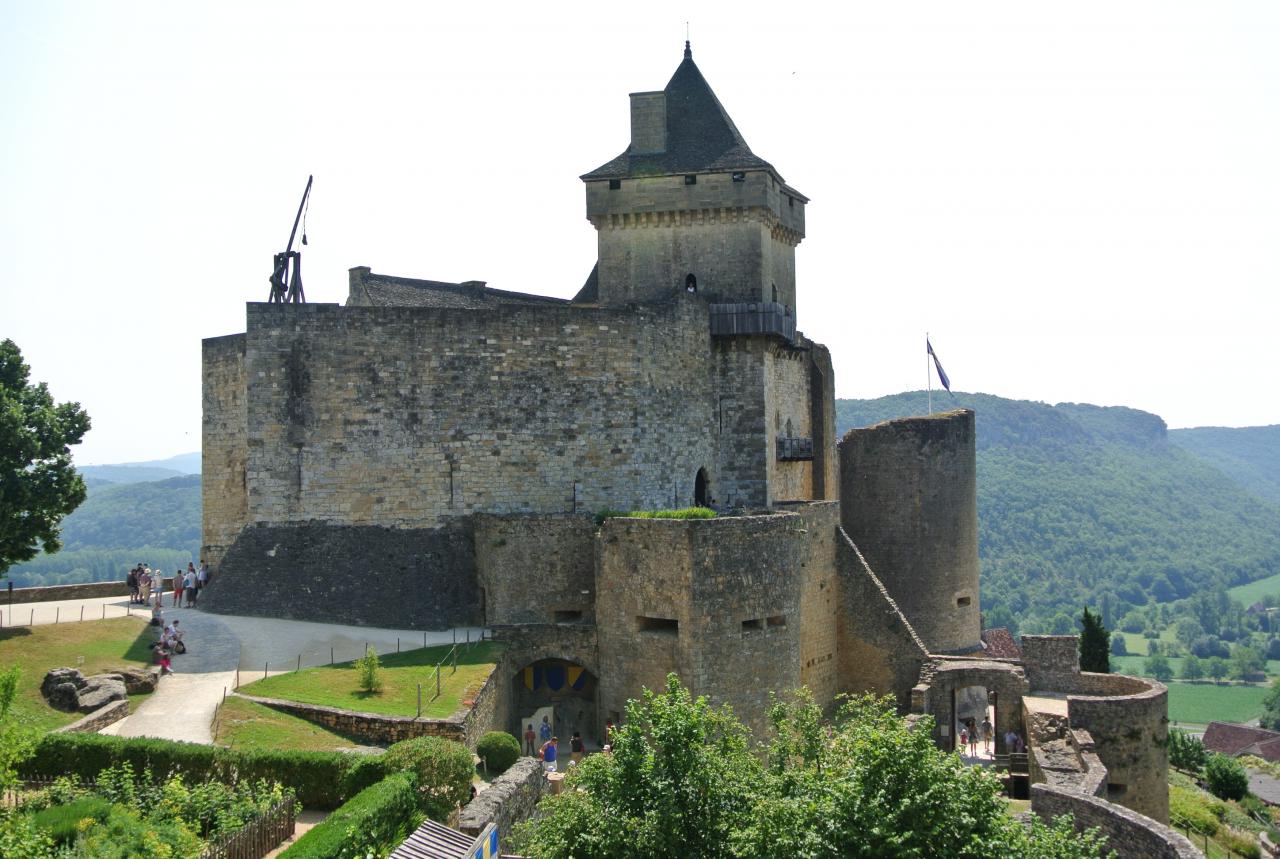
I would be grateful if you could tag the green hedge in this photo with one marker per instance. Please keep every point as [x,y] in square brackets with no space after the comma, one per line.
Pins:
[376,819]
[442,769]
[321,780]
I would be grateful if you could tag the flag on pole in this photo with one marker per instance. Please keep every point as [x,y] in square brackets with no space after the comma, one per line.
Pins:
[942,374]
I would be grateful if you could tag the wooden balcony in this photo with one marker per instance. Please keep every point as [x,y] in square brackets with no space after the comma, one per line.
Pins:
[795,449]
[766,317]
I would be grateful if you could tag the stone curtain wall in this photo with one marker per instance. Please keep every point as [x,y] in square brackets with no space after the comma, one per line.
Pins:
[409,416]
[877,649]
[1052,661]
[224,500]
[734,587]
[1131,835]
[740,415]
[533,566]
[908,491]
[410,578]
[820,603]
[509,799]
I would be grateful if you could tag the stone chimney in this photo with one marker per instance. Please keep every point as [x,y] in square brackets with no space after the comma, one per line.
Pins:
[648,123]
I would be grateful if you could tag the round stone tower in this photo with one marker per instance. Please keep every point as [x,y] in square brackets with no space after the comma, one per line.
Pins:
[909,499]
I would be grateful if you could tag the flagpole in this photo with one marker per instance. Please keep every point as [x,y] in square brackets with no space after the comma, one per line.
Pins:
[928,371]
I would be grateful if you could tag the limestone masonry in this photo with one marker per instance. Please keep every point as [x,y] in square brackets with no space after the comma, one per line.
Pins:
[434,454]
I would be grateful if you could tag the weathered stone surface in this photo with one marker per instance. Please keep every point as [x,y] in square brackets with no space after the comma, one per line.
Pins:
[63,696]
[410,578]
[138,681]
[909,488]
[508,800]
[1130,834]
[59,676]
[98,719]
[101,689]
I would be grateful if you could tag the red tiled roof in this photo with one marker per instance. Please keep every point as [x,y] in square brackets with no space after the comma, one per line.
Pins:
[1228,738]
[1268,750]
[999,643]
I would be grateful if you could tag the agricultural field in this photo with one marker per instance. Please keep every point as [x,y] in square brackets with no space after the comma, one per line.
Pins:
[1254,591]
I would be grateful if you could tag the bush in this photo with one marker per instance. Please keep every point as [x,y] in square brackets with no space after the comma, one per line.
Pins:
[374,820]
[62,822]
[1244,845]
[1185,751]
[1226,777]
[1118,646]
[1190,808]
[322,780]
[20,838]
[367,671]
[443,770]
[499,750]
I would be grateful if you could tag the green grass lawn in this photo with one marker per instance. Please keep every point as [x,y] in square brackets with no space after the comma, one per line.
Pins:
[336,686]
[242,724]
[1200,704]
[1254,591]
[121,642]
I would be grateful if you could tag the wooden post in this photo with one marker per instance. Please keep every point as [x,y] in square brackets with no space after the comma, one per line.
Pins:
[82,614]
[299,668]
[31,621]
[57,613]
[419,700]
[104,611]
[264,670]
[397,644]
[331,655]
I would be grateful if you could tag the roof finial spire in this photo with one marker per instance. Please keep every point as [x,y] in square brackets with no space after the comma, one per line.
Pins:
[688,52]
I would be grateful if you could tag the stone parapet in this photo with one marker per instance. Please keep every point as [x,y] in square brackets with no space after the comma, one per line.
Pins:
[508,800]
[1130,834]
[107,714]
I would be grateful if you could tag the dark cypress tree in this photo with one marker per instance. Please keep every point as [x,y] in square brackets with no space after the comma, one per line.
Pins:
[1095,644]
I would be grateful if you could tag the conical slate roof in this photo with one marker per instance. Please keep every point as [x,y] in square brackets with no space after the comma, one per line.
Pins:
[700,135]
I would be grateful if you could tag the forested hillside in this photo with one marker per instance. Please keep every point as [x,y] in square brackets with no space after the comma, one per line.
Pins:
[1251,455]
[118,525]
[1080,504]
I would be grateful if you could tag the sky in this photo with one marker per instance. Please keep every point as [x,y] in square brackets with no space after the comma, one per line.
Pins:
[1077,201]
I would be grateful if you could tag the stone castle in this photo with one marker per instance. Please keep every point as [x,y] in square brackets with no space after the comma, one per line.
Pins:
[434,454]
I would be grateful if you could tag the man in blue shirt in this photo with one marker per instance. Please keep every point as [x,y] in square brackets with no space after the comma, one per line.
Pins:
[548,752]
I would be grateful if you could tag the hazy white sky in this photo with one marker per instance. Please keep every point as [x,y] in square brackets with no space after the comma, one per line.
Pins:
[1079,201]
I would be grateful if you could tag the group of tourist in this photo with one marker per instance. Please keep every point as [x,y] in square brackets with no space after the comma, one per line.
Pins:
[971,732]
[549,750]
[147,585]
[170,643]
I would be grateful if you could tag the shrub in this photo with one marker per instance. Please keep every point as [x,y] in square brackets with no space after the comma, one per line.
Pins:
[1185,751]
[1238,842]
[20,838]
[443,770]
[1190,808]
[321,780]
[1226,777]
[62,822]
[367,671]
[499,750]
[373,821]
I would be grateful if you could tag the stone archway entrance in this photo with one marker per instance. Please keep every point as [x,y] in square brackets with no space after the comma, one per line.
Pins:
[562,692]
[701,497]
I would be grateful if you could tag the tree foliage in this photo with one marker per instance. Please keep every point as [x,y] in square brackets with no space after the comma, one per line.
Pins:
[1270,718]
[1095,644]
[38,485]
[682,782]
[1186,752]
[1157,666]
[1226,777]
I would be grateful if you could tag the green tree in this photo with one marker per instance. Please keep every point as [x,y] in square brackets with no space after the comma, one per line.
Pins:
[682,782]
[1270,718]
[1157,665]
[1095,644]
[1226,777]
[1245,661]
[38,485]
[1118,646]
[1192,667]
[368,671]
[17,743]
[1217,668]
[1186,752]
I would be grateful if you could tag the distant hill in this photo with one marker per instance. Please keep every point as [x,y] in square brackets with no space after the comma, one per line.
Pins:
[1082,504]
[120,524]
[1251,455]
[141,472]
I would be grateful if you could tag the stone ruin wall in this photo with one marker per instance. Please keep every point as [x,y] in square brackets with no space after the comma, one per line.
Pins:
[408,416]
[224,446]
[909,501]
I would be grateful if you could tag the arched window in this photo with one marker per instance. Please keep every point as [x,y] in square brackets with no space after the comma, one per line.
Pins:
[701,497]
[690,283]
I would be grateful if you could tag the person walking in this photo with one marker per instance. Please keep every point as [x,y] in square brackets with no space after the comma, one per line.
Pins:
[544,730]
[548,753]
[530,739]
[178,584]
[575,748]
[986,735]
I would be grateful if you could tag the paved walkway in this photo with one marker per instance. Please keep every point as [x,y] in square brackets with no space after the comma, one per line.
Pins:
[222,649]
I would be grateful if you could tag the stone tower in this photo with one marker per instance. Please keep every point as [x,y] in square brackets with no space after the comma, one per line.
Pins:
[689,206]
[688,210]
[909,500]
